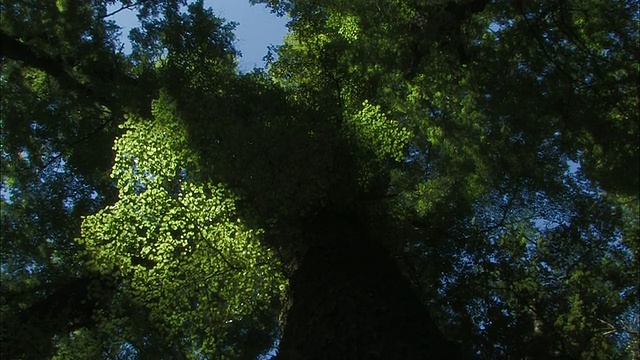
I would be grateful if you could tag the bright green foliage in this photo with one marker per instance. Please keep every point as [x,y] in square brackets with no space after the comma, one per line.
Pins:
[372,130]
[152,151]
[178,244]
[491,146]
[523,144]
[377,139]
[347,27]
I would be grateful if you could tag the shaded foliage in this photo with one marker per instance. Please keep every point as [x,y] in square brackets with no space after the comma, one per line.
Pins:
[489,147]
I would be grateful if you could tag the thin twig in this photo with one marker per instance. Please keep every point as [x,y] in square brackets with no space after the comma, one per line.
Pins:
[124,7]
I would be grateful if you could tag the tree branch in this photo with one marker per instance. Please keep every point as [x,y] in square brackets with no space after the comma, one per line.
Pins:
[124,7]
[15,49]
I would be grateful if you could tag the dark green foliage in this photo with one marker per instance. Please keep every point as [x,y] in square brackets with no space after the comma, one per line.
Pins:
[155,204]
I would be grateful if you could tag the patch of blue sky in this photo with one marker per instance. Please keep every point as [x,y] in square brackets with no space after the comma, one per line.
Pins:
[257,28]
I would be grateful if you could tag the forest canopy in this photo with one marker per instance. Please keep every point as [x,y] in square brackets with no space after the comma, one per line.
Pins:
[451,179]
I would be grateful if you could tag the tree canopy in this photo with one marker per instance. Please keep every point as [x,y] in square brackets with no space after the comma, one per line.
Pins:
[161,204]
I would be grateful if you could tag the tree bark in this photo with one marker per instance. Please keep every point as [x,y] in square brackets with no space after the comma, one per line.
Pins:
[349,300]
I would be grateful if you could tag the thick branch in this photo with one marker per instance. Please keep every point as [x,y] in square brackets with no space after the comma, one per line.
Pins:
[15,49]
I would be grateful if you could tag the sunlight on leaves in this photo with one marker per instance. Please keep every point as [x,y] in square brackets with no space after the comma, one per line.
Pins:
[179,244]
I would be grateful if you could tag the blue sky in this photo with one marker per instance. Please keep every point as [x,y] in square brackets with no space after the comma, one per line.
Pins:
[257,29]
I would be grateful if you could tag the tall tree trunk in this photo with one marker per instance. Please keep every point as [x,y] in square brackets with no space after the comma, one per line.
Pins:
[349,301]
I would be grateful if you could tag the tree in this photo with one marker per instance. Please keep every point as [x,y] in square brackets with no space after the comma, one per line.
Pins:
[452,179]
